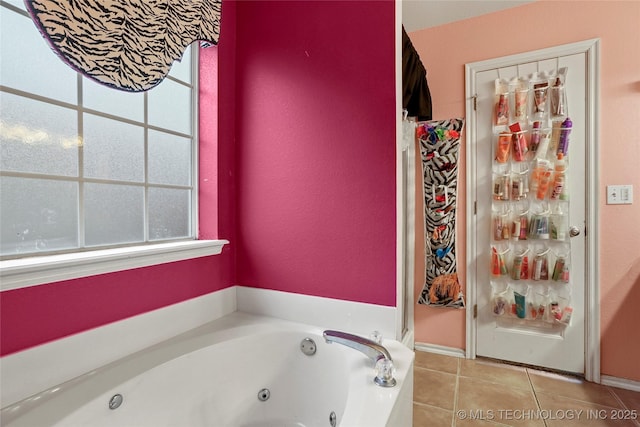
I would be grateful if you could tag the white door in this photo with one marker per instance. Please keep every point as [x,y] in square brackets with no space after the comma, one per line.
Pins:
[544,340]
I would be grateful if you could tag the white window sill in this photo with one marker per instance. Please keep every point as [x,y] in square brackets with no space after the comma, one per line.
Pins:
[37,270]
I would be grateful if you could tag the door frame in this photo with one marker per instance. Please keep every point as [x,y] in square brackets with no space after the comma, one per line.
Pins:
[405,207]
[591,49]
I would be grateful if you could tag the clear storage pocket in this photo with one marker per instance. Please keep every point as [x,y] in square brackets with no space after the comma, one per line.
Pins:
[540,264]
[499,260]
[501,221]
[520,263]
[561,267]
[500,300]
[539,223]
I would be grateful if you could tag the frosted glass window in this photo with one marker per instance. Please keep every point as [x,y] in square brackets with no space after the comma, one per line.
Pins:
[169,215]
[83,165]
[182,69]
[170,106]
[169,159]
[113,150]
[37,137]
[114,214]
[29,64]
[38,215]
[96,96]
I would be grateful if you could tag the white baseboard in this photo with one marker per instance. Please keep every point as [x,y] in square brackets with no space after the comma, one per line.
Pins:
[36,369]
[620,383]
[440,349]
[354,317]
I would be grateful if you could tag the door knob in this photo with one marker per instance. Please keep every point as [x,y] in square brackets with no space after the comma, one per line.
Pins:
[574,231]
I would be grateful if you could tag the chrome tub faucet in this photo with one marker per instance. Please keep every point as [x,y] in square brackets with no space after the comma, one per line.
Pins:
[374,351]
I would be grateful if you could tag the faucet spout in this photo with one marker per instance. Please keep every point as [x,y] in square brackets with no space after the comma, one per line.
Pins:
[371,349]
[374,351]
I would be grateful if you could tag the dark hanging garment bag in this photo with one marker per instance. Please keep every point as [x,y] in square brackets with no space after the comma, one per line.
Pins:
[416,98]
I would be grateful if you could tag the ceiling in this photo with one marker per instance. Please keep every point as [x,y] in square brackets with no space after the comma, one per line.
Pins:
[421,14]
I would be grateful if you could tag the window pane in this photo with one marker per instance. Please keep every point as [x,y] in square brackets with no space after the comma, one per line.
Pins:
[170,106]
[113,150]
[37,137]
[112,101]
[29,64]
[182,69]
[85,165]
[113,214]
[169,159]
[38,215]
[169,213]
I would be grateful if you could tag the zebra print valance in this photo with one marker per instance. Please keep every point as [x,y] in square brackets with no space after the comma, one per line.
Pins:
[126,44]
[439,148]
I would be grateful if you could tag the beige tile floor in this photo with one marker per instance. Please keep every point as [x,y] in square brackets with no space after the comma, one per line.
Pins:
[455,392]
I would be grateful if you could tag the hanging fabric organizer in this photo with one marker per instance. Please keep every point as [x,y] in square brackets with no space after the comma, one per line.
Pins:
[439,148]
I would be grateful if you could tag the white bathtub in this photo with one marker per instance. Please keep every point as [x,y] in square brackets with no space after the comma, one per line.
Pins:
[212,375]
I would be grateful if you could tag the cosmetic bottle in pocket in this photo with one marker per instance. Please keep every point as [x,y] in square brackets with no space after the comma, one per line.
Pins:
[501,186]
[499,300]
[520,90]
[540,265]
[503,146]
[558,224]
[520,225]
[520,185]
[521,308]
[561,268]
[520,263]
[499,259]
[501,109]
[501,225]
[539,224]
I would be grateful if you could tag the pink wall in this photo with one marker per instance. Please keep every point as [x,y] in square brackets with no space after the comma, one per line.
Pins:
[444,51]
[304,117]
[316,158]
[39,314]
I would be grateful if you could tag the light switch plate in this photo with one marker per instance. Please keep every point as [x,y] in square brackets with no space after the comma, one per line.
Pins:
[619,194]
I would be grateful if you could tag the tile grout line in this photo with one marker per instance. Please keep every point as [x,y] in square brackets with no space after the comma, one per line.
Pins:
[455,395]
[612,391]
[616,397]
[609,389]
[535,395]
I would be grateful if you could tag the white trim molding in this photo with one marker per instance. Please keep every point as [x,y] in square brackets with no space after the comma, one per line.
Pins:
[37,270]
[440,349]
[623,383]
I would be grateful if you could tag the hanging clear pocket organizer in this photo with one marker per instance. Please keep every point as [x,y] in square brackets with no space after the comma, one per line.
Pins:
[530,255]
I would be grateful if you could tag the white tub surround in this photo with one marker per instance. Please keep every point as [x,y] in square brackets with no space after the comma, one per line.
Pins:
[215,374]
[39,368]
[354,317]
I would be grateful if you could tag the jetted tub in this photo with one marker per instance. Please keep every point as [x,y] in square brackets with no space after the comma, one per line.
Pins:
[238,371]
